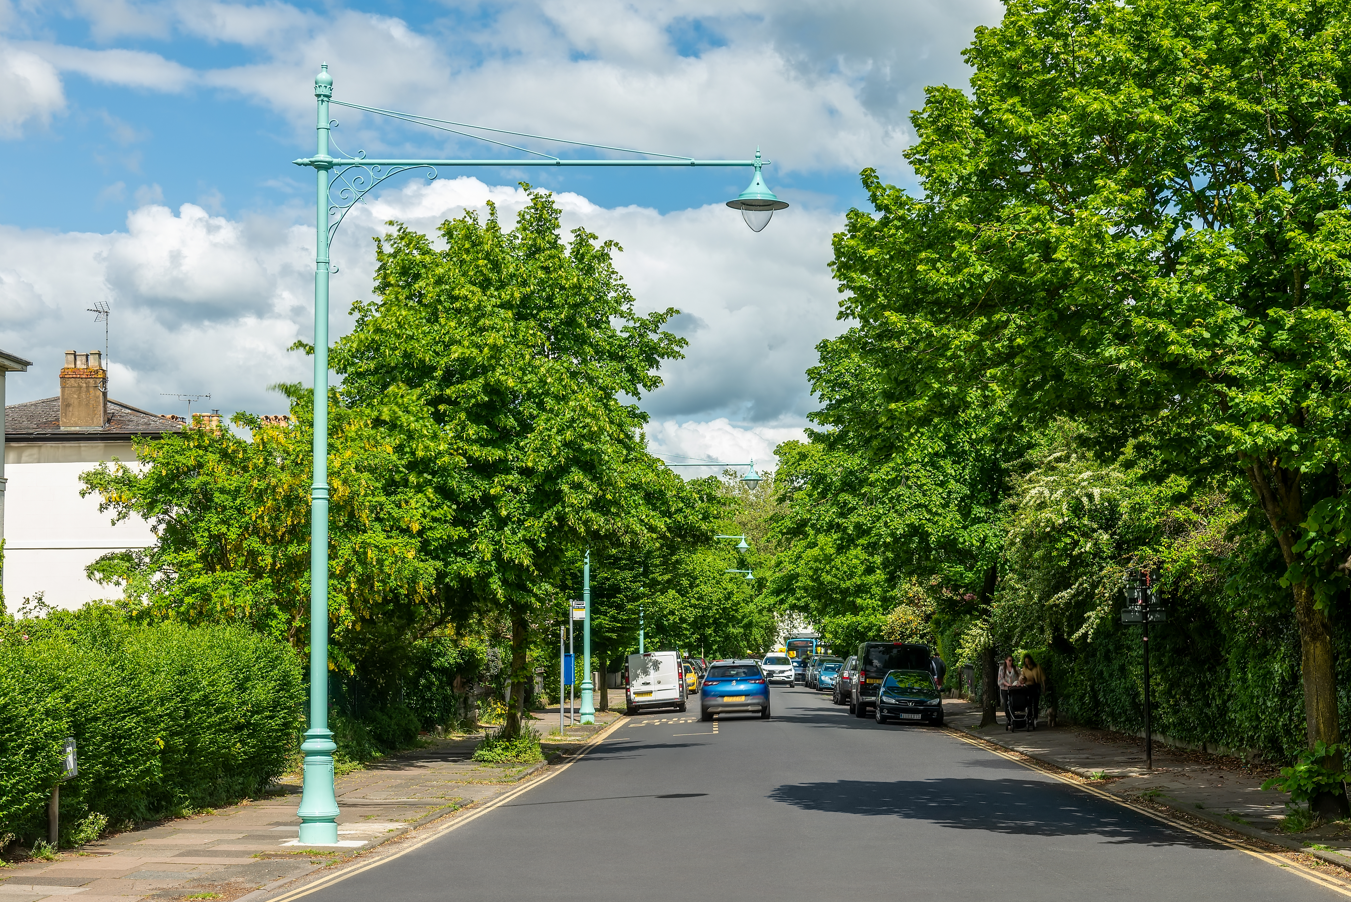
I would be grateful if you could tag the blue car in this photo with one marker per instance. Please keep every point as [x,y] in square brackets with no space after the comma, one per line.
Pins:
[827,675]
[733,686]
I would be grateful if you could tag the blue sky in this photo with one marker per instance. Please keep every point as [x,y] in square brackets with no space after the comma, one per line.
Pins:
[152,144]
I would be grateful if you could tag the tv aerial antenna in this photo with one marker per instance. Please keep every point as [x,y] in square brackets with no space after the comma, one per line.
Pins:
[186,397]
[101,315]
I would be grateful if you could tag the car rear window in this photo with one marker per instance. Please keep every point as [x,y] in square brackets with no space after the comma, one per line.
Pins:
[914,680]
[776,659]
[878,659]
[830,668]
[734,672]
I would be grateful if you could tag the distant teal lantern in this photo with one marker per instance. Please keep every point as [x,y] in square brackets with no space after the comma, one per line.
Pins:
[757,203]
[752,478]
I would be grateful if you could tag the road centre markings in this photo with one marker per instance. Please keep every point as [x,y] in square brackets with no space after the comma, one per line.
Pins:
[454,822]
[1220,839]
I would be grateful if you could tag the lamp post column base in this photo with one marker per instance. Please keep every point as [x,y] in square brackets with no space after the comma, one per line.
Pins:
[588,704]
[318,805]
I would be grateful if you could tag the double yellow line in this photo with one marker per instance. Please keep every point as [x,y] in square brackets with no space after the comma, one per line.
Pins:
[454,823]
[1220,839]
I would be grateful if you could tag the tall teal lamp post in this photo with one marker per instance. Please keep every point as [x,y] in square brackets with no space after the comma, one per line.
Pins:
[588,711]
[342,181]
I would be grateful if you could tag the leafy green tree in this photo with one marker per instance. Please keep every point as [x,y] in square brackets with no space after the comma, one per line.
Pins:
[505,365]
[877,506]
[230,512]
[1138,218]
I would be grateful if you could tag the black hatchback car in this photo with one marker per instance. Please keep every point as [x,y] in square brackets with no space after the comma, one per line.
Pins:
[875,661]
[909,695]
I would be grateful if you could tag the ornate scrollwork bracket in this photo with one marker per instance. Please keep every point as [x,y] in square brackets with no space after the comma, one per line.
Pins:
[352,181]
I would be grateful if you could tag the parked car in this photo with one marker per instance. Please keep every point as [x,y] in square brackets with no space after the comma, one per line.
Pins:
[826,676]
[778,668]
[844,681]
[691,678]
[814,669]
[875,661]
[909,695]
[655,679]
[734,686]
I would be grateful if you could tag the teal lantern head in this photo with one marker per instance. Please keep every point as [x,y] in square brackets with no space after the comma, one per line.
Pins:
[757,203]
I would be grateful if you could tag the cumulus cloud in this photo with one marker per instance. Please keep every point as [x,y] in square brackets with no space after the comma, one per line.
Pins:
[30,91]
[820,85]
[686,443]
[205,303]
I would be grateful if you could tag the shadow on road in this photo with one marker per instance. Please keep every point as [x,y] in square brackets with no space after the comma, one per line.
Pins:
[669,795]
[619,749]
[1006,805]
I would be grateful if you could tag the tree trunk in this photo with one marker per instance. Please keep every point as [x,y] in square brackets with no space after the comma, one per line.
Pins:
[604,686]
[511,726]
[989,677]
[989,691]
[1279,492]
[1319,673]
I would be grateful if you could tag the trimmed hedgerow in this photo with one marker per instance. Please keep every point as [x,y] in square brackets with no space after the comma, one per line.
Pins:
[167,718]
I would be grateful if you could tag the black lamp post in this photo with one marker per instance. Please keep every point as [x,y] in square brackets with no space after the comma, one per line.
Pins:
[1142,607]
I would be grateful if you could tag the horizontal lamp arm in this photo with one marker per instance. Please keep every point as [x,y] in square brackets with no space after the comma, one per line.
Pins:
[335,163]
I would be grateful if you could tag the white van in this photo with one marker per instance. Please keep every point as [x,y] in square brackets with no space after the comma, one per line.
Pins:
[655,679]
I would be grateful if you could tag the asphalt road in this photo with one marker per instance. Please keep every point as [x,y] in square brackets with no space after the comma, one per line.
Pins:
[812,804]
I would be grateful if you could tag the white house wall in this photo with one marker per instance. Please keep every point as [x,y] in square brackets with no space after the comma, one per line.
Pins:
[52,533]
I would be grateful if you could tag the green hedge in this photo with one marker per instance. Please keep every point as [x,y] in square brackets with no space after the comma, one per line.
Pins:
[167,718]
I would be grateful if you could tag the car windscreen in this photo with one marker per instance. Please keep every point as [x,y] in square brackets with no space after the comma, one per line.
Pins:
[911,682]
[734,672]
[878,659]
[776,659]
[831,668]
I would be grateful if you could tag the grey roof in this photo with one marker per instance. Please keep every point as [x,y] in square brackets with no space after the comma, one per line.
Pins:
[40,421]
[10,361]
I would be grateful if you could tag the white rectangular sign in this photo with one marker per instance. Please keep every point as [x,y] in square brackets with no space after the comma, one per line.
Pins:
[578,611]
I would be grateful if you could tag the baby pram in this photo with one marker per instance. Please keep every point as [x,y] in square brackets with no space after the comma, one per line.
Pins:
[1019,713]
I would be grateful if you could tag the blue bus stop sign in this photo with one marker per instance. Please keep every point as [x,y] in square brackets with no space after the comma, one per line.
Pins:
[568,679]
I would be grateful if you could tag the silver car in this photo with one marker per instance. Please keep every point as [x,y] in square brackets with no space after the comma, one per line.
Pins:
[778,668]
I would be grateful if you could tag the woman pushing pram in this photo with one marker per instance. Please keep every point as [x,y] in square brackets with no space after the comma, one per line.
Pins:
[1022,698]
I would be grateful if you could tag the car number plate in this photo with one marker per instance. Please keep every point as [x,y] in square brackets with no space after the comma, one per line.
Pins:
[734,698]
[642,694]
[908,716]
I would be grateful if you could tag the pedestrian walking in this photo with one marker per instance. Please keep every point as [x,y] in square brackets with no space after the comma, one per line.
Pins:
[938,669]
[1034,677]
[1009,674]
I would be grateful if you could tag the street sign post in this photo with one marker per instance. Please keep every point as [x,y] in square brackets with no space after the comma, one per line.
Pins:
[70,769]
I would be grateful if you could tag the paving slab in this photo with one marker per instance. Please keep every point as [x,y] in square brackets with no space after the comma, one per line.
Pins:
[240,851]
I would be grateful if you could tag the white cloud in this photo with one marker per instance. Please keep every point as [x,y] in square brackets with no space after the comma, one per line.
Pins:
[127,68]
[205,303]
[30,90]
[719,440]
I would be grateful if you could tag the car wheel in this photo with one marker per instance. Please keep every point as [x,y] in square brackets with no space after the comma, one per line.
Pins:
[878,716]
[938,721]
[860,709]
[764,713]
[630,712]
[683,707]
[705,715]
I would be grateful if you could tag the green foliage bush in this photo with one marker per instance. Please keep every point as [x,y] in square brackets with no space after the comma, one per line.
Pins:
[167,718]
[520,749]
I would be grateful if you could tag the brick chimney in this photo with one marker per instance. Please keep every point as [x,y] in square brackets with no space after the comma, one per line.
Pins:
[84,396]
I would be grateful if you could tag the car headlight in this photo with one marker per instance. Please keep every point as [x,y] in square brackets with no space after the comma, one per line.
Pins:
[888,697]
[934,701]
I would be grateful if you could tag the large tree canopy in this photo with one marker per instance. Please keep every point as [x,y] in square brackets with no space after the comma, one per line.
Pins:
[1139,217]
[506,365]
